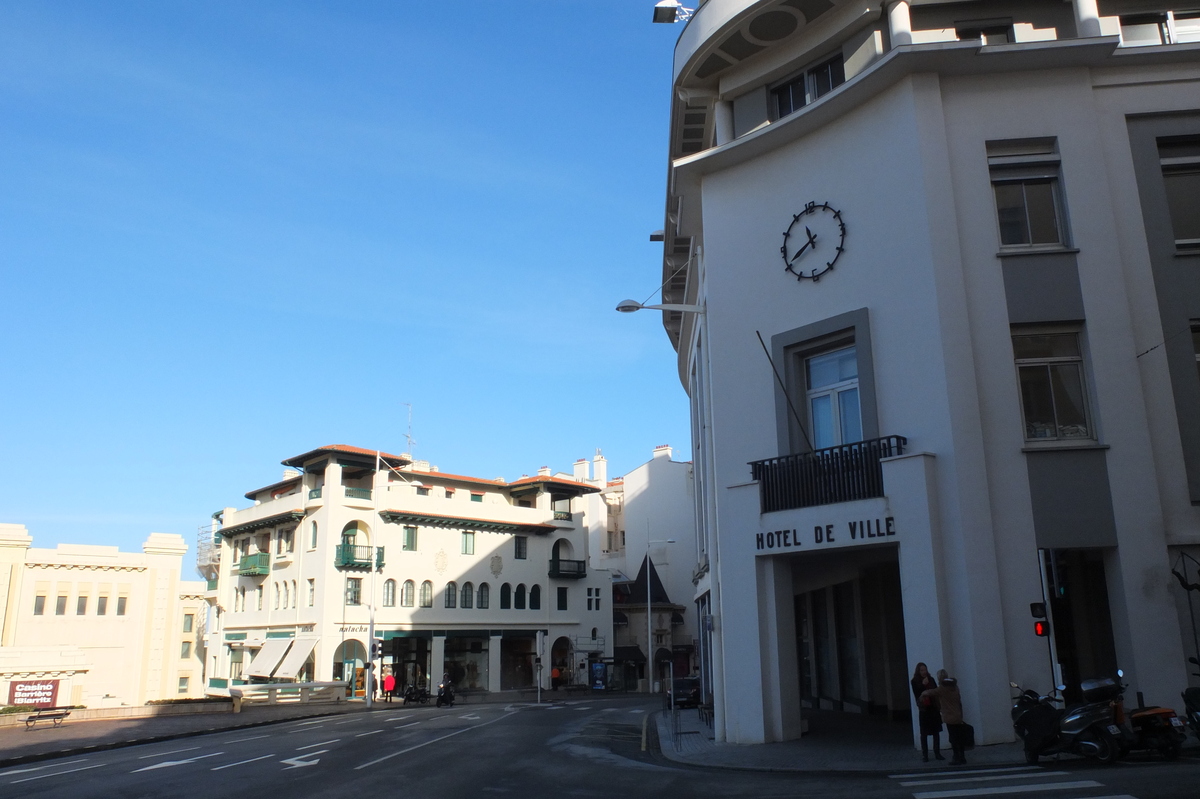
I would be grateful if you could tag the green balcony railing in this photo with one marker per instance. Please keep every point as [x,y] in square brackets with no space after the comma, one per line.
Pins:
[314,494]
[211,585]
[568,569]
[562,515]
[255,565]
[353,556]
[358,493]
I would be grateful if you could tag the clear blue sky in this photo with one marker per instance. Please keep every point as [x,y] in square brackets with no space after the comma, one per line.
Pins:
[231,232]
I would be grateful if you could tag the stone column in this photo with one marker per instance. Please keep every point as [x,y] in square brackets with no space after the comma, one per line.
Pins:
[723,120]
[494,662]
[900,24]
[1087,18]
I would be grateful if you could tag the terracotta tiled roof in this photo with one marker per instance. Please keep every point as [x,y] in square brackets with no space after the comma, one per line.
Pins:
[585,488]
[447,520]
[458,478]
[346,448]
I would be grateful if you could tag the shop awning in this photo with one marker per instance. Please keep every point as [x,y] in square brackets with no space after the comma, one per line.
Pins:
[296,656]
[268,657]
[629,654]
[619,618]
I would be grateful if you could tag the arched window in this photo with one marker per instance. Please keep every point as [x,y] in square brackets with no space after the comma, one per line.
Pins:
[275,586]
[485,596]
[451,594]
[312,541]
[594,631]
[287,597]
[239,599]
[519,597]
[406,594]
[389,594]
[505,596]
[426,594]
[535,597]
[295,596]
[468,595]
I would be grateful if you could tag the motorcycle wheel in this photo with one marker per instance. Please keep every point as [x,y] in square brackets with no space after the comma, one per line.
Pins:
[1031,757]
[1109,751]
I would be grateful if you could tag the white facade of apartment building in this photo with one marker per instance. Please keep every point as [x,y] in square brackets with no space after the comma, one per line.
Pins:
[93,626]
[475,577]
[966,233]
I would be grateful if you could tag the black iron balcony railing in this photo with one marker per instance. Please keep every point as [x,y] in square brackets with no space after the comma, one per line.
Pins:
[568,569]
[824,477]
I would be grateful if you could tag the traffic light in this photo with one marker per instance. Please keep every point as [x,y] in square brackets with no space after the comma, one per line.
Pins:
[377,649]
[1041,628]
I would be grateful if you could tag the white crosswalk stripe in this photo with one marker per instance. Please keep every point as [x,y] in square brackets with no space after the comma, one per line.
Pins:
[1015,781]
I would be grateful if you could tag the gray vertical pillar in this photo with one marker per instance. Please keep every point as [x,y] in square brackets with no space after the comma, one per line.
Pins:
[777,631]
[900,24]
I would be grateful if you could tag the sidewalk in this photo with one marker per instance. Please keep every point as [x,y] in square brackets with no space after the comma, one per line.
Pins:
[44,741]
[835,742]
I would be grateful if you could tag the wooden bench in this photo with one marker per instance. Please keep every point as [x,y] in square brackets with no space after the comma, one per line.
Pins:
[55,714]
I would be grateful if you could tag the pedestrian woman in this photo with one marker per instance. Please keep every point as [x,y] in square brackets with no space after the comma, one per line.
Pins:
[389,686]
[928,717]
[949,702]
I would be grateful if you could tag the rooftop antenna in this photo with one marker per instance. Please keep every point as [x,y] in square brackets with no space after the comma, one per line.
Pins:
[408,435]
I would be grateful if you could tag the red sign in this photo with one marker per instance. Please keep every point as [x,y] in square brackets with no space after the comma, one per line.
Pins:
[42,693]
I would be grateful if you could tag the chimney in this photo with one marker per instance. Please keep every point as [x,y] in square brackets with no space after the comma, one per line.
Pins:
[663,451]
[581,470]
[544,471]
[288,474]
[599,469]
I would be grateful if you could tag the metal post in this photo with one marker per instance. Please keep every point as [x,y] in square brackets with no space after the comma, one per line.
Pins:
[649,629]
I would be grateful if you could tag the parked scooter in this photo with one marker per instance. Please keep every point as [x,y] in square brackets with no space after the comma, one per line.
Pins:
[414,694]
[1191,703]
[445,694]
[1088,729]
[1150,727]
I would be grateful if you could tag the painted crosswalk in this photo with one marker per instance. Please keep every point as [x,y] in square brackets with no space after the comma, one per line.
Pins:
[1002,781]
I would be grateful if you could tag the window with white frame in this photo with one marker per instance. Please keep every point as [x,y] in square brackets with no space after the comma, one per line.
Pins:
[831,385]
[520,547]
[485,596]
[406,593]
[1167,27]
[468,543]
[451,594]
[814,82]
[468,595]
[353,590]
[1027,188]
[1051,377]
[1180,160]
[410,540]
[389,593]
[312,592]
[426,594]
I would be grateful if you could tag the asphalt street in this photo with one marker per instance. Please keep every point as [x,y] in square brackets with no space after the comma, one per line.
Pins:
[584,748]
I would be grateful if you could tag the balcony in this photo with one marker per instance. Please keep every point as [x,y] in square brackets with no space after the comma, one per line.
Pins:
[568,569]
[314,494]
[827,476]
[255,565]
[357,493]
[563,516]
[211,585]
[353,556]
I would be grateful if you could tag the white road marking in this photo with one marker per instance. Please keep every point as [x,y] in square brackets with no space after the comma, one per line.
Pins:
[608,710]
[10,772]
[241,762]
[170,763]
[55,774]
[310,746]
[311,721]
[172,752]
[251,738]
[372,732]
[944,778]
[918,774]
[639,710]
[400,718]
[347,721]
[296,761]
[427,743]
[410,724]
[1009,789]
[305,729]
[470,717]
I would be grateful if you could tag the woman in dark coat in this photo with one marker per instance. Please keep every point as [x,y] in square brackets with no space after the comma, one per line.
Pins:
[928,715]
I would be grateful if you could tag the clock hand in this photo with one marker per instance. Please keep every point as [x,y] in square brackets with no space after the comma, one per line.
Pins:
[812,240]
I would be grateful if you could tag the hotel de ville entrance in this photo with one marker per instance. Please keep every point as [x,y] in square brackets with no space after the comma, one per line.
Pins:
[849,624]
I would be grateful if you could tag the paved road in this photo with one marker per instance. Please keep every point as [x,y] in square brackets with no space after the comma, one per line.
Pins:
[585,748]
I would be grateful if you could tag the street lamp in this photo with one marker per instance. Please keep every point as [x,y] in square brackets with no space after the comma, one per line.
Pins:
[649,617]
[671,11]
[629,306]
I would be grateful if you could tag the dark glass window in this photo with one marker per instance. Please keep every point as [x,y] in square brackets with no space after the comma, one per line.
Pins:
[39,606]
[521,546]
[535,597]
[505,597]
[519,597]
[562,598]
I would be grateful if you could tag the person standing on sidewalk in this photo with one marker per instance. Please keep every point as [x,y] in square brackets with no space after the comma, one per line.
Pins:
[949,702]
[389,686]
[928,716]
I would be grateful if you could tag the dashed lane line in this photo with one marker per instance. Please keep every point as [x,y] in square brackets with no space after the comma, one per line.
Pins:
[240,762]
[400,718]
[1009,789]
[402,726]
[55,774]
[304,729]
[251,738]
[432,741]
[372,732]
[957,773]
[11,772]
[172,752]
[310,746]
[942,779]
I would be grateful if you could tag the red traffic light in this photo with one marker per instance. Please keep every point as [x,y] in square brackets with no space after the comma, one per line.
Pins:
[1041,628]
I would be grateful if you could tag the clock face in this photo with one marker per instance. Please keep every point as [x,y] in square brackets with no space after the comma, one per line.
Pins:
[814,241]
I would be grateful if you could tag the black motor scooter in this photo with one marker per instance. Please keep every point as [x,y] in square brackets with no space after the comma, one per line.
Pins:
[1088,729]
[414,694]
[445,694]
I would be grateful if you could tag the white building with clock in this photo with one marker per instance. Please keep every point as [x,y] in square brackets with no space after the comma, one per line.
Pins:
[931,273]
[485,579]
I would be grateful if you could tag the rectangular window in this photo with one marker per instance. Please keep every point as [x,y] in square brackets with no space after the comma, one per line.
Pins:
[562,597]
[312,592]
[353,590]
[1171,27]
[476,497]
[1180,159]
[101,605]
[183,684]
[235,663]
[521,547]
[312,536]
[422,491]
[815,82]
[81,606]
[1053,398]
[1025,182]
[468,543]
[39,606]
[831,381]
[121,603]
[185,649]
[410,539]
[60,606]
[449,493]
[189,621]
[258,595]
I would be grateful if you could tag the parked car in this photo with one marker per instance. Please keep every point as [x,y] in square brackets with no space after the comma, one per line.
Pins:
[686,692]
